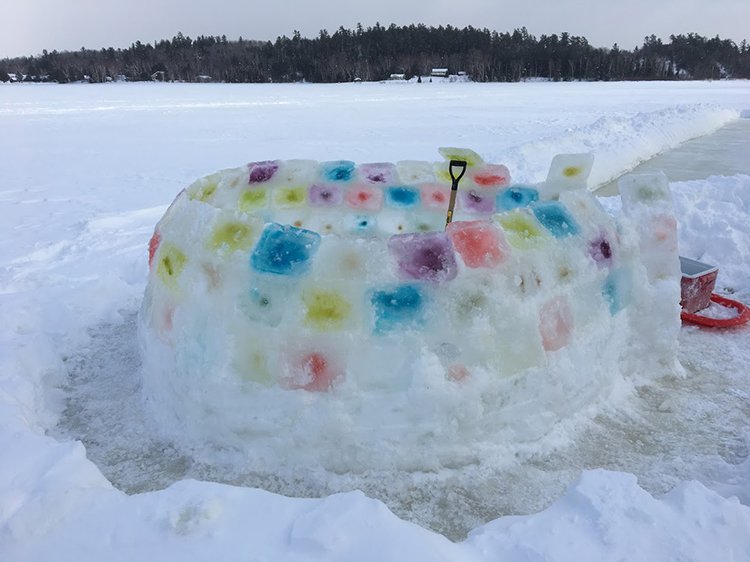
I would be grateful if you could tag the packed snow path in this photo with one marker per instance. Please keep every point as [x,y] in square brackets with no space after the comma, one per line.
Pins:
[671,430]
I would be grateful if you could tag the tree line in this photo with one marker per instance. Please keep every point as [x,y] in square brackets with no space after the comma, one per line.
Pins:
[377,52]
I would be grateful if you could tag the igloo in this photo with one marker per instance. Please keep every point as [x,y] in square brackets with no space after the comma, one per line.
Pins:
[324,314]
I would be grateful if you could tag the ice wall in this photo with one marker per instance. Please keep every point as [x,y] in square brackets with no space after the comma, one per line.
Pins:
[323,314]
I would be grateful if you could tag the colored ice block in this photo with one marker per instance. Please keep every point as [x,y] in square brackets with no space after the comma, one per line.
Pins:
[313,371]
[380,173]
[398,308]
[260,172]
[325,195]
[412,172]
[252,360]
[362,224]
[153,245]
[284,250]
[617,290]
[475,201]
[521,230]
[649,190]
[600,250]
[479,243]
[435,197]
[425,221]
[491,175]
[659,246]
[516,197]
[204,189]
[289,197]
[326,309]
[232,236]
[402,197]
[364,197]
[555,323]
[424,256]
[171,263]
[337,171]
[297,172]
[464,154]
[253,199]
[556,219]
[265,300]
[568,171]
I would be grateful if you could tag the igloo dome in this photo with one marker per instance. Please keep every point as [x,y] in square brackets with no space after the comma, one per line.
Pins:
[324,314]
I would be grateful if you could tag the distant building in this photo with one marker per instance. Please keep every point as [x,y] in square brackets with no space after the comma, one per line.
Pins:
[397,77]
[439,72]
[158,76]
[204,78]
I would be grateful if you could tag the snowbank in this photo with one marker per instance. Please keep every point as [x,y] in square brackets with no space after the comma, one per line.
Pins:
[603,516]
[620,143]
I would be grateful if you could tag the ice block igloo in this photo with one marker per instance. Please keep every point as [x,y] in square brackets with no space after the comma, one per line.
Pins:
[322,313]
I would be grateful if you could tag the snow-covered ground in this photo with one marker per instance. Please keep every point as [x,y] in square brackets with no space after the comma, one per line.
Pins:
[88,170]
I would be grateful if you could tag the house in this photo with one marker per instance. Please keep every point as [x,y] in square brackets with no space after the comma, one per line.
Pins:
[439,72]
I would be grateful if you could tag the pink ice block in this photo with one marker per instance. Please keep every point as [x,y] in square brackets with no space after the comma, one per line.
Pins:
[364,197]
[478,243]
[555,323]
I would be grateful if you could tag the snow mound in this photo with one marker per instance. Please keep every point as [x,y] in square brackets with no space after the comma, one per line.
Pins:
[321,314]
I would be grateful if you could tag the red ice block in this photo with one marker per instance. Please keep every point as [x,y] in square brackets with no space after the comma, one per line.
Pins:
[153,245]
[697,284]
[478,243]
[313,372]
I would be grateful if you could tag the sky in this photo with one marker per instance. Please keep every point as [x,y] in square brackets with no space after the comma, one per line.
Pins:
[29,26]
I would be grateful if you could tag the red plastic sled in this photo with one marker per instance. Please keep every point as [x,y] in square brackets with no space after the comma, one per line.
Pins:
[743,314]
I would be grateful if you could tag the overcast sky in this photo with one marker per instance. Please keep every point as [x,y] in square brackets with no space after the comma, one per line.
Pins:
[28,26]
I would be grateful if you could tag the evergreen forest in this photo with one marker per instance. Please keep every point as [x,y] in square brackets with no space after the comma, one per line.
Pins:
[378,53]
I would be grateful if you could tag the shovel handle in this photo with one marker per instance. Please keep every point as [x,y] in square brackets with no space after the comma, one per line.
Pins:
[454,186]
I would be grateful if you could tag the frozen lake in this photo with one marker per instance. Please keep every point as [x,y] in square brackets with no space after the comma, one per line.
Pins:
[88,170]
[721,153]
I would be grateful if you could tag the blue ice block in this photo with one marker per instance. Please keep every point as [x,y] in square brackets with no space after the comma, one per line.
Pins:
[397,308]
[402,197]
[284,250]
[556,219]
[516,197]
[265,301]
[362,224]
[617,290]
[338,170]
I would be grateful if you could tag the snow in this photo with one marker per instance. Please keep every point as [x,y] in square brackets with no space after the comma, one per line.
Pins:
[89,170]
